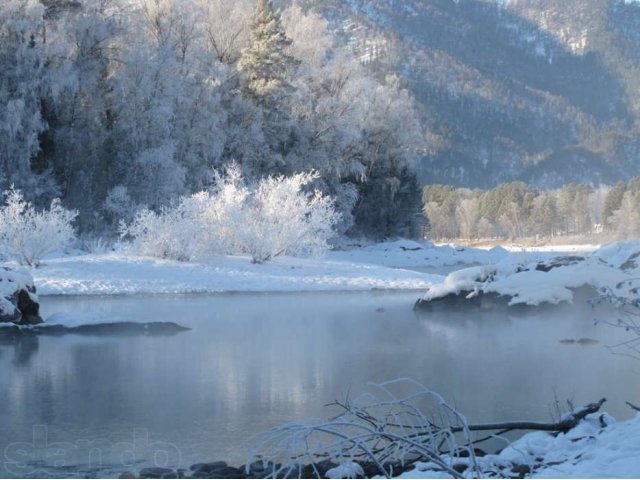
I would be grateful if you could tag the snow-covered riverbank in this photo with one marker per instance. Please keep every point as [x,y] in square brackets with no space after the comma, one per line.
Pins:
[124,274]
[398,265]
[599,447]
[532,279]
[385,266]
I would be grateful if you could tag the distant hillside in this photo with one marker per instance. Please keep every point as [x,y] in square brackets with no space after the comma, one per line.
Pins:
[544,91]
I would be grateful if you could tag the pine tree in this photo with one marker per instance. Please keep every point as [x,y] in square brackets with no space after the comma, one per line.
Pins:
[266,63]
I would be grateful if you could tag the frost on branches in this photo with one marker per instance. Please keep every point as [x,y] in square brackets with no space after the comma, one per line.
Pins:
[26,235]
[276,216]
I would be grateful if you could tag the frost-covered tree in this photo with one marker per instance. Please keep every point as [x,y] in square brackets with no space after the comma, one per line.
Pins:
[274,217]
[613,201]
[119,105]
[266,63]
[26,234]
[80,111]
[626,220]
[467,217]
[281,217]
[23,86]
[225,28]
[311,39]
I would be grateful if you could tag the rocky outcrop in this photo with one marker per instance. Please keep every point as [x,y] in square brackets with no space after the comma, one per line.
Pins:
[18,299]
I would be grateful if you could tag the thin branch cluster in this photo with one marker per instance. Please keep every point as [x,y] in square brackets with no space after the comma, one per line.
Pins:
[395,424]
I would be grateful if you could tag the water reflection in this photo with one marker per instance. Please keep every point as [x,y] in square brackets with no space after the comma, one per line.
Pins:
[21,349]
[253,361]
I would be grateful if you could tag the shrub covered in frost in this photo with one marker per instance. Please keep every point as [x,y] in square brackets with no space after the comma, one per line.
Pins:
[274,217]
[26,234]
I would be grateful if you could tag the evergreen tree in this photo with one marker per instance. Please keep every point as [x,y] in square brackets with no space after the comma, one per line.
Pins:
[266,63]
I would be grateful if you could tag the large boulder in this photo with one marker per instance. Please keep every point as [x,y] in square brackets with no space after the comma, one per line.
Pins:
[18,299]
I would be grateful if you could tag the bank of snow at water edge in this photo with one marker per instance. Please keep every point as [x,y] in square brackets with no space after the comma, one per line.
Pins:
[588,451]
[121,273]
[552,280]
[382,266]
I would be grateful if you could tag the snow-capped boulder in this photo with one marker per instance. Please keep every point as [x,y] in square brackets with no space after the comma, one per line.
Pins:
[512,282]
[18,299]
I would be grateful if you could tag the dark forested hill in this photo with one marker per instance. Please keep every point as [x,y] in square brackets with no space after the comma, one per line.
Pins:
[545,91]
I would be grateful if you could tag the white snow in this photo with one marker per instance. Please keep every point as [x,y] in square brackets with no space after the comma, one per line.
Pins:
[556,249]
[346,470]
[411,254]
[385,266]
[587,451]
[109,274]
[517,278]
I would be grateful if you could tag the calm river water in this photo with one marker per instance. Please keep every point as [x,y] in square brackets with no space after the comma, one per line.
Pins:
[99,405]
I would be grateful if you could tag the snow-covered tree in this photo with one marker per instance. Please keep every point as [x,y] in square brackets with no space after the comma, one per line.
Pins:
[117,105]
[274,217]
[26,234]
[467,217]
[626,220]
[613,201]
[281,217]
[266,63]
[23,85]
[225,28]
[80,111]
[173,233]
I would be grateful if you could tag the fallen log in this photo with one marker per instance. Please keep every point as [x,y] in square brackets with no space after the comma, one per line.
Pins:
[564,425]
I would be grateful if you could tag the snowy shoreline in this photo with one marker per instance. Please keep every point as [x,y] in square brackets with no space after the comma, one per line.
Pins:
[116,274]
[392,266]
[387,266]
[535,281]
[599,447]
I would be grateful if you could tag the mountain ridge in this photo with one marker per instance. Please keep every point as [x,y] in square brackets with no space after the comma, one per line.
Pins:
[542,91]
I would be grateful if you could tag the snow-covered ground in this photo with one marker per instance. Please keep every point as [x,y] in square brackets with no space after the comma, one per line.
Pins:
[413,254]
[588,451]
[108,274]
[384,266]
[557,249]
[532,278]
[398,265]
[519,247]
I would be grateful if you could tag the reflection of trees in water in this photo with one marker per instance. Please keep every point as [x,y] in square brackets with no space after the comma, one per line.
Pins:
[24,348]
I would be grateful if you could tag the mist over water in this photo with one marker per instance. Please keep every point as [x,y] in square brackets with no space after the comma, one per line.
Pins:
[251,362]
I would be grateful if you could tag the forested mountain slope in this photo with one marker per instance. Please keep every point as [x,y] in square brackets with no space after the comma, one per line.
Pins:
[544,91]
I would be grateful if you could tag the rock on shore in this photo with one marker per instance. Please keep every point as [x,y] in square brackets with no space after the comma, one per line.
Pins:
[18,299]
